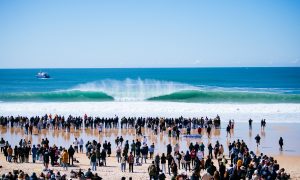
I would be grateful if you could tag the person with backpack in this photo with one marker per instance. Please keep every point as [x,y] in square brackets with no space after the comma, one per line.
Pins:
[152,171]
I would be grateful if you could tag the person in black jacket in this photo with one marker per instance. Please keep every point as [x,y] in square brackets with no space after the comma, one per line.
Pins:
[280,143]
[109,149]
[163,161]
[103,157]
[46,159]
[187,159]
[71,152]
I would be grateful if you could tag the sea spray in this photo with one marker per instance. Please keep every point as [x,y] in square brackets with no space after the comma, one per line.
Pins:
[134,90]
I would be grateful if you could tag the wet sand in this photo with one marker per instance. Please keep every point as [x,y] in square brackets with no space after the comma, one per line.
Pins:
[269,137]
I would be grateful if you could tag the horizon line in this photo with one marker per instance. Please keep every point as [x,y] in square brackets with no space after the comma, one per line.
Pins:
[170,67]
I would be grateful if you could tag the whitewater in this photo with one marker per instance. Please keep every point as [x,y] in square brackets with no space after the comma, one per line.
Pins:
[275,113]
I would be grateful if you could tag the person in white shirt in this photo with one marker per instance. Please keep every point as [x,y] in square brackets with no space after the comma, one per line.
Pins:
[145,140]
[75,143]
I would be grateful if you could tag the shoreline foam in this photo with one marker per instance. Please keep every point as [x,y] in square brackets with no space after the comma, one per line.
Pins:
[274,113]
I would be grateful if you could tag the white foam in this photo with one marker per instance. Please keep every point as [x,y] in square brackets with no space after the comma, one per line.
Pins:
[277,113]
[134,89]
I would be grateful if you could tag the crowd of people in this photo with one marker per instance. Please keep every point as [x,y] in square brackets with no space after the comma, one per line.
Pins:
[192,163]
[57,122]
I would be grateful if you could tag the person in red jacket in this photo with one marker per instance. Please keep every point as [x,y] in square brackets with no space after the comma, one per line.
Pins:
[193,156]
[131,162]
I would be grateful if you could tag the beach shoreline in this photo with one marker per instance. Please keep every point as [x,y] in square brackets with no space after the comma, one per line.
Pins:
[240,112]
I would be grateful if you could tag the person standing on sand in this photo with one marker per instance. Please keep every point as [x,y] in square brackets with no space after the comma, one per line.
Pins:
[210,148]
[93,161]
[208,130]
[281,143]
[9,152]
[118,153]
[64,159]
[152,171]
[71,152]
[130,162]
[133,147]
[81,145]
[257,138]
[123,163]
[34,152]
[46,159]
[163,161]
[103,157]
[75,143]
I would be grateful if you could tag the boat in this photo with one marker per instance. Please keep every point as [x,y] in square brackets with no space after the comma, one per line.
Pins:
[42,75]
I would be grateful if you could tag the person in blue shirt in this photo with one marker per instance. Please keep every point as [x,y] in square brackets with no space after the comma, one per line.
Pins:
[34,152]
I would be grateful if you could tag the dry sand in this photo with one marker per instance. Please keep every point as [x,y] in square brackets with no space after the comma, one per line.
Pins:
[113,171]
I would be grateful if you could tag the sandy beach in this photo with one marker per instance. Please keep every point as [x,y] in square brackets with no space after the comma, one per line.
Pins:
[112,171]
[289,158]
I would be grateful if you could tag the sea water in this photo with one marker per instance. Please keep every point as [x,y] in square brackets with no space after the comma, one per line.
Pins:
[233,93]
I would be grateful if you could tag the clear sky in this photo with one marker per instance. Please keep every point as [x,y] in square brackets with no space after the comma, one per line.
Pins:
[170,33]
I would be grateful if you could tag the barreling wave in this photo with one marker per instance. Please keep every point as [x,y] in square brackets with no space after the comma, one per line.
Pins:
[152,90]
[227,96]
[134,89]
[63,96]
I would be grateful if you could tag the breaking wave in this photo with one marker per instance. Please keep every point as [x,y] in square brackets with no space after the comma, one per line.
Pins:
[150,90]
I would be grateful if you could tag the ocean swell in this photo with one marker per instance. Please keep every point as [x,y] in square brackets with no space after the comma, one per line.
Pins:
[71,96]
[228,96]
[152,90]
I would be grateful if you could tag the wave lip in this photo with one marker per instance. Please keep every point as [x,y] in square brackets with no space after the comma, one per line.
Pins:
[62,96]
[227,96]
[134,89]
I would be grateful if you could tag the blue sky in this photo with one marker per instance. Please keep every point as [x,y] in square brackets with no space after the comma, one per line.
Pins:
[39,34]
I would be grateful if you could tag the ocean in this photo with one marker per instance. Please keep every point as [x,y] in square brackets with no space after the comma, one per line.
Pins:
[232,93]
[197,85]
